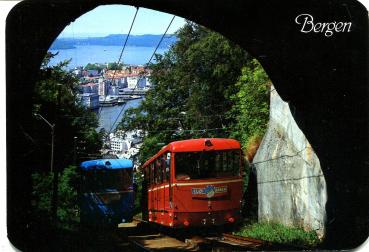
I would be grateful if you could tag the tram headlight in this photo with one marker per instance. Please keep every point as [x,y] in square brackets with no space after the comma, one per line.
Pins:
[186,223]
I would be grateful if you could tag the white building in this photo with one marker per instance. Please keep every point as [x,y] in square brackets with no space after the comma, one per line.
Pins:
[125,142]
[103,88]
[118,144]
[134,81]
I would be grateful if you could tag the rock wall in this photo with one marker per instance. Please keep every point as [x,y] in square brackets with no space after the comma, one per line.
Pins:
[291,185]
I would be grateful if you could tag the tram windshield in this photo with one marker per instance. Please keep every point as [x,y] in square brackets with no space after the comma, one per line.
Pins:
[207,164]
[107,180]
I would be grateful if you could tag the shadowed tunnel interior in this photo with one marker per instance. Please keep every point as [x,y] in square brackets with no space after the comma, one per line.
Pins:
[324,79]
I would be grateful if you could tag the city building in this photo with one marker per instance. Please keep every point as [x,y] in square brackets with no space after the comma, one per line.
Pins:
[89,88]
[103,88]
[113,90]
[118,144]
[136,82]
[125,142]
[90,100]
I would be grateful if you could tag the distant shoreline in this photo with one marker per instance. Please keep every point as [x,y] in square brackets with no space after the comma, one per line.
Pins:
[76,47]
[147,40]
[62,48]
[81,55]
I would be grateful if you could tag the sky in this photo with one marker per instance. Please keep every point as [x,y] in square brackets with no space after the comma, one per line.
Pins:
[116,19]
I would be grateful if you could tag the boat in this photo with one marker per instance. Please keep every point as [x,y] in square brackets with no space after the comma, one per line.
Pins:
[121,100]
[108,101]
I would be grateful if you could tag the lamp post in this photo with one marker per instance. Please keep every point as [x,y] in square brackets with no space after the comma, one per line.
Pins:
[75,151]
[52,126]
[182,114]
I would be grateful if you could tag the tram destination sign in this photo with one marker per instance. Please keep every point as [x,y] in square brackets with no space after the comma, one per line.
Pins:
[209,191]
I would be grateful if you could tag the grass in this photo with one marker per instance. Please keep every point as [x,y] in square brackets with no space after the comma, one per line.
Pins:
[279,234]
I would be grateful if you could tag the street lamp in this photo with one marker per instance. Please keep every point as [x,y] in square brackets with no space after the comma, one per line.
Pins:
[181,126]
[52,126]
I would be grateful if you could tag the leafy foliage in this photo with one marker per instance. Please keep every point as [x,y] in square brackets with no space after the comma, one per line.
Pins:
[41,196]
[192,83]
[68,196]
[95,66]
[251,109]
[115,66]
[55,99]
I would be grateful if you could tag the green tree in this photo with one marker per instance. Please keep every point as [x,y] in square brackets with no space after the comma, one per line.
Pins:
[68,197]
[249,118]
[192,83]
[95,66]
[115,66]
[55,99]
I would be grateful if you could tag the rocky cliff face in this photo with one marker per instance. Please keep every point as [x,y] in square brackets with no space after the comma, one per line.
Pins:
[291,185]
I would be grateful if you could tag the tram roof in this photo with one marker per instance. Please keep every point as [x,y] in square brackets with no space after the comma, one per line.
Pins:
[100,164]
[195,145]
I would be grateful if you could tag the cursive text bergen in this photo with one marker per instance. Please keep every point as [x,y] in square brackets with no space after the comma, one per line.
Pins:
[307,25]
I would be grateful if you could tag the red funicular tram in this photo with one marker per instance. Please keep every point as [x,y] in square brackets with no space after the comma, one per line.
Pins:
[193,183]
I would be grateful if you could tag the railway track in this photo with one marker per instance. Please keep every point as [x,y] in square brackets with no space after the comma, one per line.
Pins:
[163,242]
[155,240]
[243,242]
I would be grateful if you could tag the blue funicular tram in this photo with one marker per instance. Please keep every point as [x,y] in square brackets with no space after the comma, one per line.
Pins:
[107,196]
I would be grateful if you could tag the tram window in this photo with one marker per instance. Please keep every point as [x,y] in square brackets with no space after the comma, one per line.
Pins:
[148,175]
[236,162]
[163,168]
[209,164]
[167,166]
[155,172]
[89,181]
[225,161]
[159,173]
[151,167]
[102,180]
[124,180]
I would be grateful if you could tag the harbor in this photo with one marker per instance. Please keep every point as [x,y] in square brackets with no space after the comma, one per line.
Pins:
[113,100]
[114,113]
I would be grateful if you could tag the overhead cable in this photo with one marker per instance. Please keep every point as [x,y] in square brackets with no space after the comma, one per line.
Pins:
[121,54]
[152,56]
